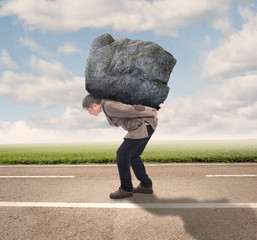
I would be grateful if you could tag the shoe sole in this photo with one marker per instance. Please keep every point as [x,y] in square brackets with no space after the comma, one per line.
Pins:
[145,191]
[123,196]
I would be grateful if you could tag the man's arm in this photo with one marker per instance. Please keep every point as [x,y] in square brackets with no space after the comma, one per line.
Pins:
[121,110]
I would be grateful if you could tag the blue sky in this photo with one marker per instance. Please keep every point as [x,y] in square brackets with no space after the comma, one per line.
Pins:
[44,46]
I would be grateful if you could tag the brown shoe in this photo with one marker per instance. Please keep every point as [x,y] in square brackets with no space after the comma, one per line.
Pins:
[141,189]
[120,193]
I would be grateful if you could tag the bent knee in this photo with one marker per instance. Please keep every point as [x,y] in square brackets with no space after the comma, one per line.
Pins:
[122,156]
[119,154]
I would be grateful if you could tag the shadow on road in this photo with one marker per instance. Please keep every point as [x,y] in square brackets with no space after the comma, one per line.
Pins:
[207,223]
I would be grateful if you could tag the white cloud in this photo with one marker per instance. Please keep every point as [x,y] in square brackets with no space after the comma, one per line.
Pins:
[236,53]
[69,49]
[21,132]
[224,25]
[226,111]
[73,118]
[164,17]
[32,45]
[228,107]
[55,85]
[6,61]
[207,41]
[50,69]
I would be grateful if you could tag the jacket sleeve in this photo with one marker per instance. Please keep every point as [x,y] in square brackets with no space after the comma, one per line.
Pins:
[121,110]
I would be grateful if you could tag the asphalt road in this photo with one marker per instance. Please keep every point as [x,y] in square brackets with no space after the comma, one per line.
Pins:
[189,193]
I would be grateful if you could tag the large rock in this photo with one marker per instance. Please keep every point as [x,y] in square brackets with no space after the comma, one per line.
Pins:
[129,71]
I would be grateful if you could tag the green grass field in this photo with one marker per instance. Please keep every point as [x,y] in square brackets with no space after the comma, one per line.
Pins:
[156,152]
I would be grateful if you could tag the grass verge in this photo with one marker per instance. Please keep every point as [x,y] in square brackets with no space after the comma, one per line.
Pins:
[156,152]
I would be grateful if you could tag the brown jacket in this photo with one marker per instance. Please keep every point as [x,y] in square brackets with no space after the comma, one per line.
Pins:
[131,118]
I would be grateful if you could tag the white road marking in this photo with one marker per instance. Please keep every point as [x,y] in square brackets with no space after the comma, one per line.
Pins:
[129,205]
[238,175]
[37,176]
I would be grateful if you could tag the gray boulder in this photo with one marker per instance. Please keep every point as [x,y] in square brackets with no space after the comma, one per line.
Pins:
[129,71]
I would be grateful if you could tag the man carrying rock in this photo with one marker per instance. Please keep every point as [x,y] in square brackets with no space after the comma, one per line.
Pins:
[140,122]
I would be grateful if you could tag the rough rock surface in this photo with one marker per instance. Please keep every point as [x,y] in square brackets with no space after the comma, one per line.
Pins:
[129,71]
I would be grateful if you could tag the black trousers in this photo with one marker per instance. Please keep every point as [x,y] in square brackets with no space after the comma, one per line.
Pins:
[128,155]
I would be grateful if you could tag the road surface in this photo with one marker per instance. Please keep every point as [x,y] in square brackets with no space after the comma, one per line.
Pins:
[190,201]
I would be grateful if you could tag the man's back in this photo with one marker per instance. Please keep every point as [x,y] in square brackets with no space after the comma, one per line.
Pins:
[132,118]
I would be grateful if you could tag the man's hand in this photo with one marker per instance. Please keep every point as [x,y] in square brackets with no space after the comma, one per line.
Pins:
[161,105]
[139,108]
